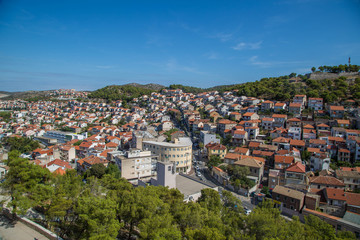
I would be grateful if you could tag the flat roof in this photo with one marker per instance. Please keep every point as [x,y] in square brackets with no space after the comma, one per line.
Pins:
[188,186]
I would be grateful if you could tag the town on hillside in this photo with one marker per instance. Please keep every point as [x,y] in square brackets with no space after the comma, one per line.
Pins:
[303,153]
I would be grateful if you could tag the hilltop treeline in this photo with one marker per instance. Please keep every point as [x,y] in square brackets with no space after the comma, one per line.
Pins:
[337,69]
[116,92]
[281,89]
[109,207]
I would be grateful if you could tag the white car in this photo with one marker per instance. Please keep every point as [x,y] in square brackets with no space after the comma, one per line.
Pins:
[247,211]
[198,174]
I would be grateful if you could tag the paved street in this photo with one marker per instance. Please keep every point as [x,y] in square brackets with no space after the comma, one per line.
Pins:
[17,231]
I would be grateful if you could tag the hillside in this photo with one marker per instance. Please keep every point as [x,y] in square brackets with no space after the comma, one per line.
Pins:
[124,92]
[27,95]
[286,87]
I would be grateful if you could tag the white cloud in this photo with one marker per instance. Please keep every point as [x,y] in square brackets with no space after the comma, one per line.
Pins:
[247,46]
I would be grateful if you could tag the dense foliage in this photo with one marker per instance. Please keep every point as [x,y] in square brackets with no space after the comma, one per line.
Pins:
[124,92]
[110,207]
[186,89]
[6,116]
[21,144]
[340,68]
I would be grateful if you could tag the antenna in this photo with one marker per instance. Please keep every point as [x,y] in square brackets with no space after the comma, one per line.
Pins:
[349,61]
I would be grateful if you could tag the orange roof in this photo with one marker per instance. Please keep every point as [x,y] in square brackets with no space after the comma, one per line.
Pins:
[314,150]
[344,150]
[254,144]
[218,169]
[297,167]
[284,159]
[326,180]
[240,132]
[295,142]
[241,150]
[248,114]
[353,199]
[279,104]
[268,119]
[334,193]
[294,120]
[343,121]
[337,108]
[279,116]
[295,105]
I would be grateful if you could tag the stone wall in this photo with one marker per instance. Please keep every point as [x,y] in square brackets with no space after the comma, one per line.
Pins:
[332,76]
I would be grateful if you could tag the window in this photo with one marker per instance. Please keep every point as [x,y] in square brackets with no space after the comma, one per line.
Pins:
[292,200]
[169,168]
[284,205]
[291,207]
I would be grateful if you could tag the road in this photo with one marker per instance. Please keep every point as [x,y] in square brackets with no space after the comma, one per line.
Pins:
[207,178]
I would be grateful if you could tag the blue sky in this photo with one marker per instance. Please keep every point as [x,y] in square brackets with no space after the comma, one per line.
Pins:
[86,44]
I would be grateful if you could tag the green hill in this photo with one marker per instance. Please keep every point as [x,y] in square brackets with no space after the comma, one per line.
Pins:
[123,92]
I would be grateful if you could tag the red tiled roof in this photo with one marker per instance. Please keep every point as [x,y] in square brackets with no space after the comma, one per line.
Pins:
[334,193]
[326,180]
[353,198]
[337,108]
[297,167]
[284,159]
[295,142]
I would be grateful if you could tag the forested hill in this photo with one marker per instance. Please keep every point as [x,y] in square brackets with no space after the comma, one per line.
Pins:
[124,92]
[281,88]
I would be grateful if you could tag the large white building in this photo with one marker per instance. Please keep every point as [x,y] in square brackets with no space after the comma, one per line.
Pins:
[178,152]
[136,164]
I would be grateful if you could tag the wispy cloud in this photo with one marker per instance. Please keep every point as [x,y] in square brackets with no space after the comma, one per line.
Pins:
[223,37]
[247,46]
[254,60]
[173,66]
[211,56]
[189,28]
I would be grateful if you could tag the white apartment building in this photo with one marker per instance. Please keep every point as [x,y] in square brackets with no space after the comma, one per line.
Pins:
[178,152]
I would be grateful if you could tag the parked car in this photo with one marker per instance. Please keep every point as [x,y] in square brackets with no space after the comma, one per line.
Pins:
[198,174]
[247,211]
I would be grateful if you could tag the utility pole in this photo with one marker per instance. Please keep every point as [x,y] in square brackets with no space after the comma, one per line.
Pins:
[349,61]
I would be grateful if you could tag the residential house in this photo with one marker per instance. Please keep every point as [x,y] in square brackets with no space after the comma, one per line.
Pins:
[250,116]
[336,111]
[86,163]
[315,103]
[350,177]
[295,174]
[335,202]
[321,182]
[295,108]
[136,164]
[279,107]
[319,159]
[300,99]
[240,137]
[267,106]
[255,165]
[225,124]
[235,116]
[343,155]
[298,144]
[289,198]
[279,120]
[267,123]
[216,149]
[294,133]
